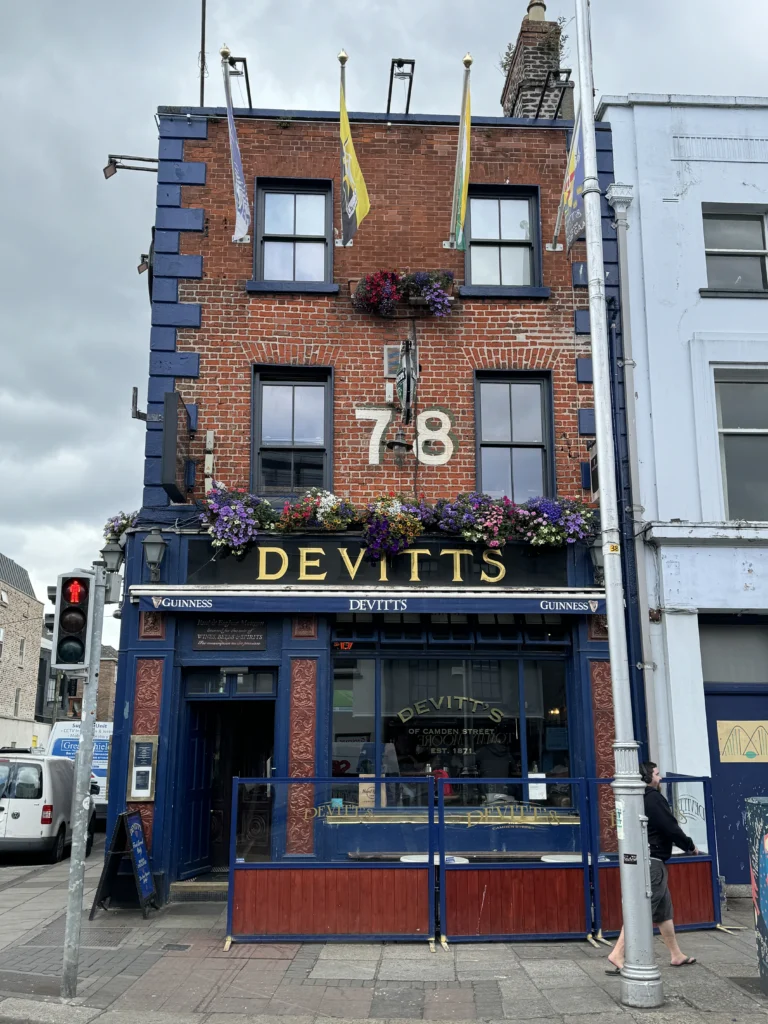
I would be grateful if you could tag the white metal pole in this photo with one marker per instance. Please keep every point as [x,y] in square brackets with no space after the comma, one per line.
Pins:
[641,978]
[81,801]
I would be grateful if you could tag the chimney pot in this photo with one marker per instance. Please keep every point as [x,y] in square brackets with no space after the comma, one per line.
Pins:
[537,10]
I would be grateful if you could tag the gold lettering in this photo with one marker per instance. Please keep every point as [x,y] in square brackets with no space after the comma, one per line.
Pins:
[457,553]
[310,563]
[351,569]
[405,715]
[414,553]
[383,578]
[263,574]
[492,556]
[436,704]
[495,714]
[421,707]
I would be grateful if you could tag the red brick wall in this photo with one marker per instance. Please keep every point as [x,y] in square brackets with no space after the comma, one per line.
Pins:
[409,174]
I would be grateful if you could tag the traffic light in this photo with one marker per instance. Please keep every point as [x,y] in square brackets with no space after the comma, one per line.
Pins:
[72,622]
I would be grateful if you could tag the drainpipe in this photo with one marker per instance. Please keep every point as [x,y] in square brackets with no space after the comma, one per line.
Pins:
[620,197]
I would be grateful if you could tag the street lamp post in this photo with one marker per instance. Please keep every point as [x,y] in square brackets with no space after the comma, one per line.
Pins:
[640,977]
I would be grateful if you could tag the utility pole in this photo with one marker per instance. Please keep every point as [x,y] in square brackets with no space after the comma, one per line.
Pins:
[640,977]
[81,801]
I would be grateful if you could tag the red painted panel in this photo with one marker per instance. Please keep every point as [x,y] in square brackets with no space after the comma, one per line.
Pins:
[515,902]
[690,885]
[316,901]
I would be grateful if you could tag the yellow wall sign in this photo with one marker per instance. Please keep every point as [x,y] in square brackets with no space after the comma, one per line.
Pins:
[742,742]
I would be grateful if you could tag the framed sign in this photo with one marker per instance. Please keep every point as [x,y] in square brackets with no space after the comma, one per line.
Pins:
[142,768]
[229,633]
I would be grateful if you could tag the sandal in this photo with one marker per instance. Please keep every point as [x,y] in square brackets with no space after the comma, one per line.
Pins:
[686,963]
[613,972]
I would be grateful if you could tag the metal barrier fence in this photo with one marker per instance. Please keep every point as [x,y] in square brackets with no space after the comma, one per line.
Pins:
[379,859]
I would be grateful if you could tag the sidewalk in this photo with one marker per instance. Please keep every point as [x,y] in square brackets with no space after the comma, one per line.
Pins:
[172,969]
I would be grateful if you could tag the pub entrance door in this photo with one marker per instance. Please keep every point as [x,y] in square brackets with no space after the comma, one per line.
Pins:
[225,738]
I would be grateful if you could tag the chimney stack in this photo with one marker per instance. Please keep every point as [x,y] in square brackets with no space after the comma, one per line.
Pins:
[536,54]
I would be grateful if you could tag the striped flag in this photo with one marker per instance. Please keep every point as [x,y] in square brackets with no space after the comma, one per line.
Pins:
[461,184]
[573,200]
[355,203]
[242,208]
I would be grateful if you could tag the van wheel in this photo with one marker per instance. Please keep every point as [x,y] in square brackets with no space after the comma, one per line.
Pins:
[57,854]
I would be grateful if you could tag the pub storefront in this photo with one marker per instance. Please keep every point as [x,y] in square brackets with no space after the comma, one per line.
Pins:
[374,715]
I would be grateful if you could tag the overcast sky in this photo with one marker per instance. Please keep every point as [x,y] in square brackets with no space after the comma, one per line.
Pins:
[83,79]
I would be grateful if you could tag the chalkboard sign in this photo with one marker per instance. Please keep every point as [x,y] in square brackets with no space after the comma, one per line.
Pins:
[229,633]
[127,841]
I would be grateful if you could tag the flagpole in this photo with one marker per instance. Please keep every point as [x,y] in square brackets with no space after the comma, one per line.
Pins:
[343,57]
[467,62]
[242,207]
[640,983]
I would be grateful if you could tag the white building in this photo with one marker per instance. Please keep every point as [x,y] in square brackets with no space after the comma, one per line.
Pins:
[697,284]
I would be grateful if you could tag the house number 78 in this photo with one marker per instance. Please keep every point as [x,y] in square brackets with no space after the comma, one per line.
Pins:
[433,446]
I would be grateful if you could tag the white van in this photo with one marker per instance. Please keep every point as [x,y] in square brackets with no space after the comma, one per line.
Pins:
[64,741]
[36,803]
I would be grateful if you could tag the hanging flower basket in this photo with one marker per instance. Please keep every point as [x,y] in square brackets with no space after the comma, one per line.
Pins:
[378,293]
[430,288]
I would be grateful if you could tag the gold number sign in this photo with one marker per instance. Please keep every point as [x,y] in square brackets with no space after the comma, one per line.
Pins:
[743,742]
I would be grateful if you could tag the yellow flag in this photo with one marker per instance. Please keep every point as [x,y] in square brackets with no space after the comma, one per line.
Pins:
[462,174]
[354,195]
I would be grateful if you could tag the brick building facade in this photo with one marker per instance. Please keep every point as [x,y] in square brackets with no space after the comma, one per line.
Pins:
[239,675]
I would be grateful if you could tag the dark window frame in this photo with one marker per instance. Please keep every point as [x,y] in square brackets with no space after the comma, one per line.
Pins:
[735,375]
[297,375]
[535,289]
[292,186]
[544,378]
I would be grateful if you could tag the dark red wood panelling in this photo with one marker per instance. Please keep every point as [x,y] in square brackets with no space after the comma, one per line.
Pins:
[690,885]
[317,901]
[515,902]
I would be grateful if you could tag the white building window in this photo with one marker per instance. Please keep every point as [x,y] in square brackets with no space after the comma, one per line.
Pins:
[3,597]
[17,703]
[21,652]
[742,426]
[736,252]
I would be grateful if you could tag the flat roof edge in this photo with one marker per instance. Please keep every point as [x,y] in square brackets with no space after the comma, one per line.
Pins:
[671,99]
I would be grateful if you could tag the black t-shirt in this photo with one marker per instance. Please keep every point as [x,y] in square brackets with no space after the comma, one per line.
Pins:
[663,830]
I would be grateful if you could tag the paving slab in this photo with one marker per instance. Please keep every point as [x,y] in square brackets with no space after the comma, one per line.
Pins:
[417,970]
[398,1001]
[588,1000]
[529,1009]
[352,1003]
[46,1013]
[363,970]
[348,951]
[556,973]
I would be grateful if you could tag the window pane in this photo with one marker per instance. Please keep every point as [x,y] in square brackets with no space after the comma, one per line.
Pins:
[278,213]
[743,405]
[354,740]
[276,414]
[307,470]
[484,218]
[484,263]
[737,272]
[515,265]
[254,682]
[309,424]
[310,261]
[494,412]
[516,219]
[527,473]
[733,232]
[276,471]
[278,261]
[526,412]
[310,215]
[496,472]
[29,782]
[746,481]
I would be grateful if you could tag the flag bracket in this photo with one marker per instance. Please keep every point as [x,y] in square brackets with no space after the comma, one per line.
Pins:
[341,244]
[554,247]
[245,240]
[449,245]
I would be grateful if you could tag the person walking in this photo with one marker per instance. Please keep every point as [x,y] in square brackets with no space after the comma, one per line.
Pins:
[663,833]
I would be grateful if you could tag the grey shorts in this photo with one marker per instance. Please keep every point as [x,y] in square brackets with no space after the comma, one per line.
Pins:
[661,901]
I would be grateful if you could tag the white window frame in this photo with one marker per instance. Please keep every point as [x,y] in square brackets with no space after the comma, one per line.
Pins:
[22,648]
[746,375]
[710,351]
[747,213]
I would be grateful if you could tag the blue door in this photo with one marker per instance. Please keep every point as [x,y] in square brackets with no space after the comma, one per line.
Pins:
[195,808]
[737,722]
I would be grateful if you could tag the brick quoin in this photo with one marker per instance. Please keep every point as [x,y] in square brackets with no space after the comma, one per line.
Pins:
[409,171]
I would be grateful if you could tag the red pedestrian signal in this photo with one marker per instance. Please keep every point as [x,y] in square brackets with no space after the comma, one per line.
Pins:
[72,623]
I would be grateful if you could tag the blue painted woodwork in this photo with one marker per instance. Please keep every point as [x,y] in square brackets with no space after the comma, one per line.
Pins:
[181,219]
[579,276]
[155,496]
[192,410]
[165,289]
[175,265]
[174,364]
[587,422]
[486,291]
[170,149]
[154,415]
[166,241]
[169,195]
[162,339]
[176,314]
[182,127]
[586,476]
[153,444]
[158,386]
[584,370]
[581,321]
[292,287]
[174,172]
[195,820]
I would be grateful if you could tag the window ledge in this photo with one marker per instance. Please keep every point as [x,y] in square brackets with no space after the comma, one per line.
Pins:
[492,291]
[292,287]
[734,293]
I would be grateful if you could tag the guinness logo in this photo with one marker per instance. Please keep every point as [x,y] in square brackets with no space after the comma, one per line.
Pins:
[593,606]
